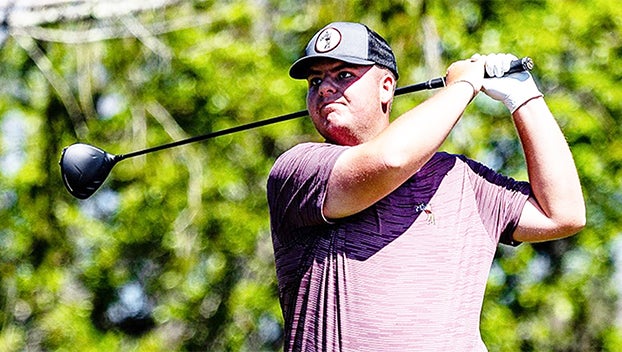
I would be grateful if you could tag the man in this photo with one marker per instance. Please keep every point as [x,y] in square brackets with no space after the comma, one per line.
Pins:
[383,243]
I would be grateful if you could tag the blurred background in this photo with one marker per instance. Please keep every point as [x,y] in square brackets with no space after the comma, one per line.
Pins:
[173,253]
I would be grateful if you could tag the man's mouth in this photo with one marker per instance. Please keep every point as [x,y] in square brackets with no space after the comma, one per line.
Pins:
[329,107]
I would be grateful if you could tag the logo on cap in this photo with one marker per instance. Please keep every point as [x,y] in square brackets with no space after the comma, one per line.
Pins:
[327,40]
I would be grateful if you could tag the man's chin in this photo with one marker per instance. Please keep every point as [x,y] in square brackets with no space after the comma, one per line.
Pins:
[339,137]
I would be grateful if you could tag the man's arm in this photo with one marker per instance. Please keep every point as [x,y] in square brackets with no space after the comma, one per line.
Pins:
[557,208]
[369,171]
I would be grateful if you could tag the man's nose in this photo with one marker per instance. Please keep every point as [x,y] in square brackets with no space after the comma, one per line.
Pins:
[327,87]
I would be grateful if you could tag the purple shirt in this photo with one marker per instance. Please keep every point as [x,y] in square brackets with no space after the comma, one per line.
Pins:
[407,273]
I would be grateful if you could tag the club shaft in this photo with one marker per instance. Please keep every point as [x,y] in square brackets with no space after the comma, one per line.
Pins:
[524,64]
[431,84]
[226,131]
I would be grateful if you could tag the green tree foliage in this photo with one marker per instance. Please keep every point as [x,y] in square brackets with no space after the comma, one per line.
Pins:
[174,251]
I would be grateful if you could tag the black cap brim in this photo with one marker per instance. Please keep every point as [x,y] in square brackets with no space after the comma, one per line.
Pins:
[300,68]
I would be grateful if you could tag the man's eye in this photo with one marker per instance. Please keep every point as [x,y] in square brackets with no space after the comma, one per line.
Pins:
[314,82]
[345,74]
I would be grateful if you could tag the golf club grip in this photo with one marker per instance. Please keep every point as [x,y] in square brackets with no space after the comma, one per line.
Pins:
[520,65]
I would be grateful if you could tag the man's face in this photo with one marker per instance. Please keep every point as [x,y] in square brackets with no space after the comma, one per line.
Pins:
[347,103]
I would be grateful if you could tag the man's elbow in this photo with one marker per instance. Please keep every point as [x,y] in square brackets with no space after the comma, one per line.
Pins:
[572,229]
[569,217]
[571,224]
[578,220]
[578,224]
[558,231]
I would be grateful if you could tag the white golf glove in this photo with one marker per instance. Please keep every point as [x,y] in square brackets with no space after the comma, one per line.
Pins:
[513,90]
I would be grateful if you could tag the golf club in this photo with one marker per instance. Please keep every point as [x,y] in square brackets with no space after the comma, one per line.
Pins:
[84,168]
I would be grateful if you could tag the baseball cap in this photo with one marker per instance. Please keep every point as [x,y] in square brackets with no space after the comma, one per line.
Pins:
[350,42]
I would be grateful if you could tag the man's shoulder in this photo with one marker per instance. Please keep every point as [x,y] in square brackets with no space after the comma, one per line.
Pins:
[440,162]
[446,160]
[315,152]
[307,147]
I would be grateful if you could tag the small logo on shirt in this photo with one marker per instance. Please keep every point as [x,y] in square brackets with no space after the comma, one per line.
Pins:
[426,208]
[429,215]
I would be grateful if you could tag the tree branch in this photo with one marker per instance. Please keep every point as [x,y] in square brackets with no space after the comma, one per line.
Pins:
[29,13]
[61,87]
[103,31]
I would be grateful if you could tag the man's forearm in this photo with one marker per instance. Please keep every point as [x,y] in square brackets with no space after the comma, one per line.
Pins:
[552,172]
[367,172]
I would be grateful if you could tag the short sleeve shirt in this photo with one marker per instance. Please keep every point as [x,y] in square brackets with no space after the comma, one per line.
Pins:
[407,273]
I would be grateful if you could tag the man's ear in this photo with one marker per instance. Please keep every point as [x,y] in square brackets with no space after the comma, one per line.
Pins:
[387,89]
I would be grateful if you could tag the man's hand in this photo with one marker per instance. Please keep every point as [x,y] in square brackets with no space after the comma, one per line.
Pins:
[470,71]
[513,90]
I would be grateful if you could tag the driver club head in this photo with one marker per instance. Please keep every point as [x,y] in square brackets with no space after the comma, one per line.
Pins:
[84,168]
